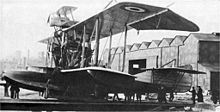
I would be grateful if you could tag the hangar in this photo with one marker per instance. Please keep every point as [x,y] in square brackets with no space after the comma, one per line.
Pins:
[197,51]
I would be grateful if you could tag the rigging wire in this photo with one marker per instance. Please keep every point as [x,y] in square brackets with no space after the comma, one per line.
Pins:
[90,39]
[103,51]
[105,47]
[115,51]
[110,3]
[158,23]
[170,4]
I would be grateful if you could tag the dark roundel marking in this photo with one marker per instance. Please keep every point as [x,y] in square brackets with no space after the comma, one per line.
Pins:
[134,9]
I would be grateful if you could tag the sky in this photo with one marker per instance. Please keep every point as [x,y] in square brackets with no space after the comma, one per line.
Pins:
[24,22]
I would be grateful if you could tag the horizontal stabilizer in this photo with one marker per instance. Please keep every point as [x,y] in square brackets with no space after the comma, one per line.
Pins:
[176,70]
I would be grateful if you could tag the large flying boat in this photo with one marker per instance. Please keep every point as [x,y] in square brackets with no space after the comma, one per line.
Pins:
[77,73]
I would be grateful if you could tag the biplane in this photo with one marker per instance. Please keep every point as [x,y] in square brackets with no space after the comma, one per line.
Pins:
[77,73]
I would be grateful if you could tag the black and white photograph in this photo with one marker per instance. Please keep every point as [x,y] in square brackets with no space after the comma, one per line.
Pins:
[110,55]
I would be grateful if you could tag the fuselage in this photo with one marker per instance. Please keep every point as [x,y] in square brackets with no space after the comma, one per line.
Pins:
[75,82]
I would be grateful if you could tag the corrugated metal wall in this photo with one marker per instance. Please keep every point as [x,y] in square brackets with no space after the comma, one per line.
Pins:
[209,52]
[193,52]
[169,54]
[189,52]
[203,79]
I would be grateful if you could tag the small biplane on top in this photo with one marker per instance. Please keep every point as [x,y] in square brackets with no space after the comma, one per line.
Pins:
[76,73]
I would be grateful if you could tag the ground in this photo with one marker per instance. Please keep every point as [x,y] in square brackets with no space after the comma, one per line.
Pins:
[23,94]
[179,98]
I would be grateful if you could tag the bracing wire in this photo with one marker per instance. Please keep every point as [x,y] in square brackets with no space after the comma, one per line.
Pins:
[90,39]
[115,51]
[105,47]
[109,3]
[103,51]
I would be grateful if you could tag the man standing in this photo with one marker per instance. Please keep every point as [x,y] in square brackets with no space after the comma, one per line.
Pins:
[12,90]
[7,84]
[162,95]
[193,95]
[6,89]
[200,95]
[17,90]
[171,95]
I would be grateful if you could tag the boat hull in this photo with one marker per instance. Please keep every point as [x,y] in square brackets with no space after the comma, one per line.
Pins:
[27,79]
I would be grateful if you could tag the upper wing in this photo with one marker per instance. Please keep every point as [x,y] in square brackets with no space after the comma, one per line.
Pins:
[138,16]
[176,70]
[165,19]
[63,17]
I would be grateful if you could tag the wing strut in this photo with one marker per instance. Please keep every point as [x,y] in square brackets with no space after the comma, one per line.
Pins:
[97,36]
[83,47]
[109,51]
[124,53]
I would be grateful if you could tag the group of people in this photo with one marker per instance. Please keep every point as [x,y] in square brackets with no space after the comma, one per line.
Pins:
[195,93]
[162,95]
[198,94]
[14,90]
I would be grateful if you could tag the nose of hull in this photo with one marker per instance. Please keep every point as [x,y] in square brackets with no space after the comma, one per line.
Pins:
[27,79]
[28,76]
